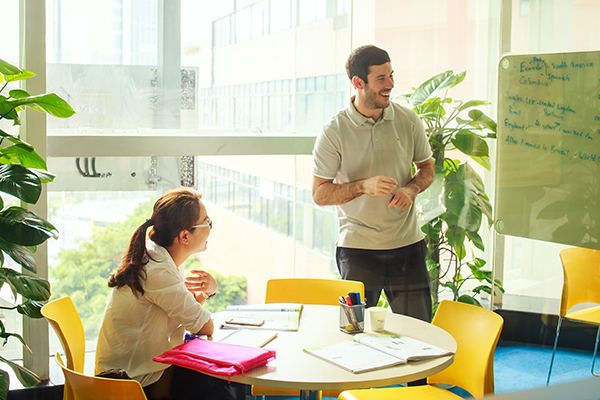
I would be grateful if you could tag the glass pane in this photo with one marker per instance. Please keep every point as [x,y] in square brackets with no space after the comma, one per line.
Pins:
[281,15]
[250,203]
[532,270]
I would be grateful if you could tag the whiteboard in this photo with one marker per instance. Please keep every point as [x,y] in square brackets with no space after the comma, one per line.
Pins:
[548,148]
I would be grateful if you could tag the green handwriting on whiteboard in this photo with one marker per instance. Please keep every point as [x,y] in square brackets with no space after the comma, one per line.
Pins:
[548,148]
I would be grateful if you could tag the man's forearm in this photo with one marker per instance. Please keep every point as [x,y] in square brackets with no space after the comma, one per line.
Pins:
[423,178]
[330,194]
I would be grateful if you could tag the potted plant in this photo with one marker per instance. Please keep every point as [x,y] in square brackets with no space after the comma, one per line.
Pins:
[22,172]
[465,200]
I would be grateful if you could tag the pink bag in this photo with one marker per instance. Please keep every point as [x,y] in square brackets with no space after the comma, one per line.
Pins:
[216,358]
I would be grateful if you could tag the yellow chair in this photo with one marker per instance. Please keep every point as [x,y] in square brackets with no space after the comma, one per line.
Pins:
[476,331]
[310,290]
[581,284]
[84,387]
[306,291]
[64,319]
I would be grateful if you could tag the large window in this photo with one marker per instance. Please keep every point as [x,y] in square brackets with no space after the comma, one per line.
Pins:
[221,96]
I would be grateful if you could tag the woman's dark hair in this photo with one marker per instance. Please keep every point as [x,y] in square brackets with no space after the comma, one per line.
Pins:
[174,211]
[361,59]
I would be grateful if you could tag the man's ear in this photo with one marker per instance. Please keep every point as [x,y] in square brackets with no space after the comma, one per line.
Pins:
[358,82]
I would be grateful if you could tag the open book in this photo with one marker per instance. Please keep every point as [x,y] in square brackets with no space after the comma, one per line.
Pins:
[276,316]
[367,352]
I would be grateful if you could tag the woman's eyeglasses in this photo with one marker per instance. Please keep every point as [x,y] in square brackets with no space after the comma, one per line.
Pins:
[209,224]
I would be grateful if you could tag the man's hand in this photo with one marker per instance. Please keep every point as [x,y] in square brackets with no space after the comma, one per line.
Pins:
[403,197]
[379,185]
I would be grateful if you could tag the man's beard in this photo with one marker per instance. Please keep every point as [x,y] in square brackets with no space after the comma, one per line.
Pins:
[374,101]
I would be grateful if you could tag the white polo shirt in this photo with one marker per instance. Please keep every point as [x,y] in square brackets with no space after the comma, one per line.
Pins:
[136,329]
[351,147]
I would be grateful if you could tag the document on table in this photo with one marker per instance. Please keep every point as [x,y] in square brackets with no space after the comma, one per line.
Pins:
[368,352]
[296,307]
[280,316]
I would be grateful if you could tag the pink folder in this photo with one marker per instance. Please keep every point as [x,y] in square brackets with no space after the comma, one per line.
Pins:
[216,358]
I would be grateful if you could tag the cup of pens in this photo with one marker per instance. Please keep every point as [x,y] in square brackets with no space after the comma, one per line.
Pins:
[352,317]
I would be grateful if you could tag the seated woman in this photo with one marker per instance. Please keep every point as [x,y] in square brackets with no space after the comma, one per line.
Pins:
[151,303]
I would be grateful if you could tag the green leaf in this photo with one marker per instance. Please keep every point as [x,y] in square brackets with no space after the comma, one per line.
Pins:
[4,384]
[482,288]
[19,76]
[7,335]
[18,181]
[479,262]
[18,94]
[28,286]
[470,143]
[44,175]
[484,161]
[479,274]
[23,227]
[465,298]
[456,239]
[447,284]
[486,206]
[24,155]
[15,140]
[32,160]
[25,376]
[472,103]
[20,254]
[431,265]
[8,69]
[50,103]
[432,87]
[9,111]
[402,96]
[479,119]
[476,239]
[434,108]
[31,308]
[460,77]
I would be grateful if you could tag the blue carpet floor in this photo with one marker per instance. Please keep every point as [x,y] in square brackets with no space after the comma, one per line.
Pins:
[520,367]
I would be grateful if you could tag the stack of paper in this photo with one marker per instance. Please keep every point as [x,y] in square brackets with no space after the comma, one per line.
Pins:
[277,316]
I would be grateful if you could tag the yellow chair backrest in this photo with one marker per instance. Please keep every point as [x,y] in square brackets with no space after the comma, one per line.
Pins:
[83,387]
[310,290]
[64,318]
[476,331]
[581,283]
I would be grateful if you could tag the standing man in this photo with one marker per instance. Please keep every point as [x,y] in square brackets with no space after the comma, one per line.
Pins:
[362,163]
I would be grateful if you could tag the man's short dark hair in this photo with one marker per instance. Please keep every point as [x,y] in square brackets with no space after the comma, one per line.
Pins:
[362,58]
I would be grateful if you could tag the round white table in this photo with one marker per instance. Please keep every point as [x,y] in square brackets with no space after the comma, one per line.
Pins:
[295,369]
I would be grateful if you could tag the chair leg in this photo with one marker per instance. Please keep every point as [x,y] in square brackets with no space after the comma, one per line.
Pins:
[554,349]
[595,352]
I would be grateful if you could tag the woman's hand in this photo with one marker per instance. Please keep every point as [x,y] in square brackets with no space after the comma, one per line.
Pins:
[201,282]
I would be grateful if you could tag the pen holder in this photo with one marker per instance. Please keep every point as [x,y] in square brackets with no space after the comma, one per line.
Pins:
[352,318]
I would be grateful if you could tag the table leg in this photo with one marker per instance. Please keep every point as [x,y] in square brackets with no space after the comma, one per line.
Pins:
[310,395]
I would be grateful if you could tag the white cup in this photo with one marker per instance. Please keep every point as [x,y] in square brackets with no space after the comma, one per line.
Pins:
[377,318]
